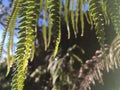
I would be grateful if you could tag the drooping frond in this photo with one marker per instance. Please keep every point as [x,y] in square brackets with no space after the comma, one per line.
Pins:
[54,20]
[62,67]
[28,25]
[112,60]
[2,42]
[113,9]
[44,30]
[104,9]
[97,15]
[66,11]
[112,56]
[11,21]
[10,61]
[72,15]
[81,2]
[73,11]
[92,69]
[89,72]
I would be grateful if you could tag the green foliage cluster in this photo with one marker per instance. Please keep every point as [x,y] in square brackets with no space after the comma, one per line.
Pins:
[61,66]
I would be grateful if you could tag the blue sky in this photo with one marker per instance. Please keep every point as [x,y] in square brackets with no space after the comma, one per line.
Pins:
[5,2]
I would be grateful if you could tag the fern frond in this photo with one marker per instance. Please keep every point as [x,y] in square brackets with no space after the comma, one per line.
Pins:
[73,11]
[10,61]
[89,72]
[77,58]
[27,35]
[62,67]
[41,4]
[11,21]
[44,26]
[104,9]
[113,9]
[10,29]
[97,15]
[113,58]
[66,11]
[11,25]
[81,17]
[2,42]
[54,68]
[72,15]
[54,20]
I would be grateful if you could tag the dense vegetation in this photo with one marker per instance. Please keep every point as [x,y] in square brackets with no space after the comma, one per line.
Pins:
[68,50]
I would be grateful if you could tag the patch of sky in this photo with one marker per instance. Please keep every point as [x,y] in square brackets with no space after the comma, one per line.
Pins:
[1,27]
[41,21]
[74,2]
[85,7]
[6,3]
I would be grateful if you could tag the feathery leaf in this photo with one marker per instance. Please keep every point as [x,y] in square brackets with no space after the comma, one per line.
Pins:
[26,42]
